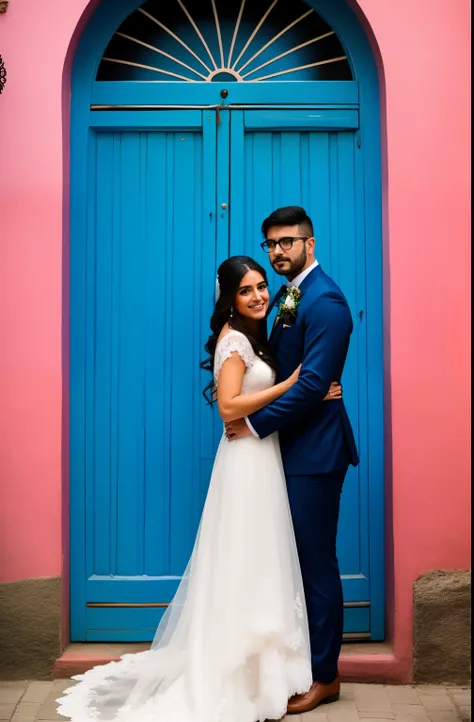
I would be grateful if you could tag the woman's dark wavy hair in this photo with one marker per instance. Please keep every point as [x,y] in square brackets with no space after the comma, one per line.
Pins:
[229,276]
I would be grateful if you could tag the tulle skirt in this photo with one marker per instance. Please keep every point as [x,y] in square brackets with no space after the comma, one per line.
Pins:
[234,645]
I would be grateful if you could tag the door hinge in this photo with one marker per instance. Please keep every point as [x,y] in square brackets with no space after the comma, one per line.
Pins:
[358,141]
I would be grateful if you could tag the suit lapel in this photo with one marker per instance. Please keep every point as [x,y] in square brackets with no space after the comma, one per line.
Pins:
[305,284]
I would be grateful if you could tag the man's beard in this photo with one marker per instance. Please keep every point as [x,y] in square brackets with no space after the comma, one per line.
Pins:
[296,266]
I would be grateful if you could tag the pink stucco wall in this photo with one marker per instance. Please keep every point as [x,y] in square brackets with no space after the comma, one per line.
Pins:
[424,49]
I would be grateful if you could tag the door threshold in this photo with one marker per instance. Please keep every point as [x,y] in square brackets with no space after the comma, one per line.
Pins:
[359,661]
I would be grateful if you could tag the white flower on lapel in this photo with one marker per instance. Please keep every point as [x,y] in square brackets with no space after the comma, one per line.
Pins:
[289,304]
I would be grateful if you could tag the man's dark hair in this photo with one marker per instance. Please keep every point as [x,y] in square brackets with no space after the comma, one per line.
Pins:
[289,216]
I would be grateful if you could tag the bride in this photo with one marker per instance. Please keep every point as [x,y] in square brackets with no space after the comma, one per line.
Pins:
[233,646]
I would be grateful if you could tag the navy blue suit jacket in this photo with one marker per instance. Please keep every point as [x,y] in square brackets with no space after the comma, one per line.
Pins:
[316,436]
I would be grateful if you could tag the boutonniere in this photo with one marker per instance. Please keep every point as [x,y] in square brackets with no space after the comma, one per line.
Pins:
[288,308]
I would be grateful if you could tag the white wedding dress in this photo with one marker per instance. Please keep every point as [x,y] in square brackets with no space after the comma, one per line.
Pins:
[233,646]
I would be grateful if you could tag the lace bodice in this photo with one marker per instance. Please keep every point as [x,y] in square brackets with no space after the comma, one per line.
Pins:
[258,376]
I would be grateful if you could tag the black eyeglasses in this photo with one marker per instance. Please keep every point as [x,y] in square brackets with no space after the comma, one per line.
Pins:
[284,243]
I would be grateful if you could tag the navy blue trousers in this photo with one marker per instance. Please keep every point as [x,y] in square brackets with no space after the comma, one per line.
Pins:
[315,503]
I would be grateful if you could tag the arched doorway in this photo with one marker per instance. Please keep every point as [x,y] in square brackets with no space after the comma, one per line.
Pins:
[190,123]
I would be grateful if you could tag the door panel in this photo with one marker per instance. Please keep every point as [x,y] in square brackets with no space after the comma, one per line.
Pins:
[151,260]
[320,170]
[310,120]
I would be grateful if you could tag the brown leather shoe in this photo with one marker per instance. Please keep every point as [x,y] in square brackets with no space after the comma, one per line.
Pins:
[318,693]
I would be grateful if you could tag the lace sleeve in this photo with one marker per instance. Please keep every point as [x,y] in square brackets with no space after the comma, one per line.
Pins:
[233,342]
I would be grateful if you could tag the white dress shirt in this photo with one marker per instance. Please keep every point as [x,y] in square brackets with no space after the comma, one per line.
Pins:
[295,282]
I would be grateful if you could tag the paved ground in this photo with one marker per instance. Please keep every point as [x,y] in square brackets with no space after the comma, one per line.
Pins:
[35,702]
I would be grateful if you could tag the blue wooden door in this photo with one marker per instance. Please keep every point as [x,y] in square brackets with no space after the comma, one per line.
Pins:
[312,158]
[165,207]
[150,265]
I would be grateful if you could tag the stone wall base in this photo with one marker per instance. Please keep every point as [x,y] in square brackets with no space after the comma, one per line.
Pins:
[442,627]
[29,628]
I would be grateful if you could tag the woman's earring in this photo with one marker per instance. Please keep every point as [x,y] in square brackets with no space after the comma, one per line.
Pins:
[231,315]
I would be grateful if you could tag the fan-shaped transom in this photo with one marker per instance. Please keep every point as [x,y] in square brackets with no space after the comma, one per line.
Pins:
[224,41]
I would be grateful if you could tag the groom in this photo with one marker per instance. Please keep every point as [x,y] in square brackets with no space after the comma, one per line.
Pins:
[317,443]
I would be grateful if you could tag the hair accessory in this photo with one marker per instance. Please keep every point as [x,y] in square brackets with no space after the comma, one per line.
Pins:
[218,288]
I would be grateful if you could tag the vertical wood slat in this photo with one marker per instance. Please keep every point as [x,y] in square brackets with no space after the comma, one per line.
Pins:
[291,165]
[117,270]
[355,538]
[157,396]
[210,426]
[103,340]
[319,199]
[182,275]
[89,359]
[130,441]
[363,281]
